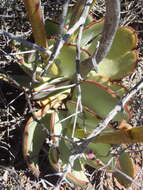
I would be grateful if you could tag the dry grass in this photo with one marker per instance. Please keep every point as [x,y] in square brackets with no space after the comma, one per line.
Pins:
[13,172]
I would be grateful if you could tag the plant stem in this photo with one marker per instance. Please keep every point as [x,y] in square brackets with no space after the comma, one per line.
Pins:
[36,19]
[130,136]
[65,38]
[113,113]
[77,12]
[111,23]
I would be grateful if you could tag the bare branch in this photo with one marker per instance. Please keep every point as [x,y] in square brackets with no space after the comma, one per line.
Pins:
[81,146]
[113,113]
[25,42]
[112,19]
[65,38]
[79,149]
[127,177]
[78,79]
[63,16]
[67,169]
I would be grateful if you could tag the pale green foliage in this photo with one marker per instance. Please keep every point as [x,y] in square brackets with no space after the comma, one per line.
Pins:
[98,97]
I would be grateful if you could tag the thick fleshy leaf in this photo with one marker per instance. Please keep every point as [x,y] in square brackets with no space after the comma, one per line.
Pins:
[92,32]
[32,65]
[119,67]
[125,40]
[101,151]
[121,59]
[59,157]
[65,151]
[34,136]
[99,98]
[49,90]
[77,175]
[122,136]
[66,60]
[94,162]
[87,120]
[78,178]
[115,86]
[98,155]
[126,166]
[89,20]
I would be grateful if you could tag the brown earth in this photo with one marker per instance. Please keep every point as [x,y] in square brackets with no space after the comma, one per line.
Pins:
[14,110]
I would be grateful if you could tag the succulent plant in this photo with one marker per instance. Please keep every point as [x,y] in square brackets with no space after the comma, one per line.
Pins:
[60,115]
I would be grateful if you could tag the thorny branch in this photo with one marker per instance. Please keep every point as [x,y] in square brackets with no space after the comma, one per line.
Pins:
[110,27]
[118,108]
[81,148]
[78,78]
[127,177]
[65,38]
[68,169]
[109,30]
[63,16]
[25,42]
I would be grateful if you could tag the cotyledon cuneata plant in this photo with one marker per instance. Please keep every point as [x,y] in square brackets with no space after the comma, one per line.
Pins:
[75,80]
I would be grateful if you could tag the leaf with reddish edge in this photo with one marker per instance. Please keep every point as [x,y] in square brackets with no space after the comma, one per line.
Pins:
[125,40]
[77,177]
[118,68]
[92,32]
[115,86]
[129,136]
[86,123]
[41,92]
[34,136]
[92,161]
[99,98]
[59,157]
[121,59]
[87,120]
